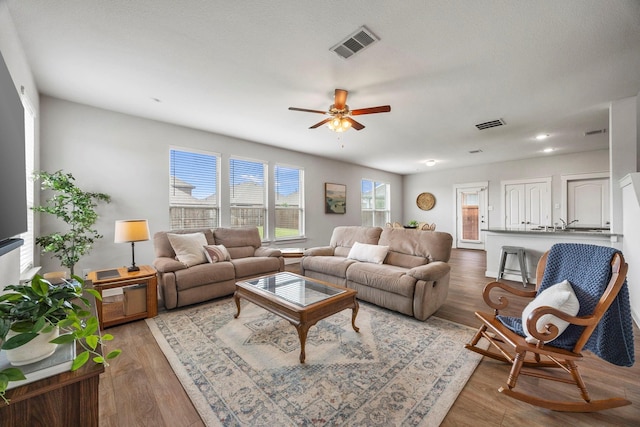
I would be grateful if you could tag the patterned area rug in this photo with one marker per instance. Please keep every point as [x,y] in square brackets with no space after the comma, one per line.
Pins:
[245,372]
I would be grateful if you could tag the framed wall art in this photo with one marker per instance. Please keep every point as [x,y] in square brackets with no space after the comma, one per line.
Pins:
[335,198]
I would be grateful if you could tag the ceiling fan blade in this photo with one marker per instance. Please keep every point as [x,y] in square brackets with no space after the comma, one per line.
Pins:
[354,124]
[340,99]
[306,110]
[321,123]
[371,110]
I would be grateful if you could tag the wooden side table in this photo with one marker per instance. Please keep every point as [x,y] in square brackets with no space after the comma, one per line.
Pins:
[131,305]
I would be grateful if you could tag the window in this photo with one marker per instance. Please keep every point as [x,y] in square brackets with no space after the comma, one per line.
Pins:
[193,189]
[374,203]
[26,250]
[289,202]
[248,193]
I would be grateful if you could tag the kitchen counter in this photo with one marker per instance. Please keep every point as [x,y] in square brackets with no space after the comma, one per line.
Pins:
[537,241]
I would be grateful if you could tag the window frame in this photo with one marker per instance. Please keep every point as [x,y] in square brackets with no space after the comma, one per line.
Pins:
[374,210]
[264,208]
[301,205]
[216,207]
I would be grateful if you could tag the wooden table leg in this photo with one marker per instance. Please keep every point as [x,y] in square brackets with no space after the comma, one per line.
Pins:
[354,313]
[236,298]
[302,334]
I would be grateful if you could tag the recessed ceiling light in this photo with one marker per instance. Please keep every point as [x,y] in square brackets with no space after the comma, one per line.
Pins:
[430,163]
[542,136]
[548,150]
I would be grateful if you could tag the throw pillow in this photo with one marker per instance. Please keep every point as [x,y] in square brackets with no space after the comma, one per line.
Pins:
[560,296]
[368,253]
[188,247]
[215,253]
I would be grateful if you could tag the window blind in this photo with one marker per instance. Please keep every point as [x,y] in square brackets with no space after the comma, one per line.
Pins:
[193,189]
[247,193]
[289,209]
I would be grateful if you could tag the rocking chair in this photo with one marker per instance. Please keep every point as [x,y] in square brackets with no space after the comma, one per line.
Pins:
[603,325]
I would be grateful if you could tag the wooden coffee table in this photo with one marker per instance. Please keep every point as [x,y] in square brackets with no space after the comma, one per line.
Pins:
[300,300]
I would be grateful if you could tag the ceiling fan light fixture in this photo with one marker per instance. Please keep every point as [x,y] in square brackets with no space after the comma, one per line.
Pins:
[339,124]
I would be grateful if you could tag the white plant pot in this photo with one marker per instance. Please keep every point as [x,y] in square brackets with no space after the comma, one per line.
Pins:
[35,350]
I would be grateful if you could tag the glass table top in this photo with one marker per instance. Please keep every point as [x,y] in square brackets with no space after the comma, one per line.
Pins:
[296,289]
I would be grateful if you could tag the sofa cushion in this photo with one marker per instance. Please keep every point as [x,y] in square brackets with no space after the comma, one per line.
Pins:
[385,277]
[368,253]
[255,266]
[344,237]
[204,274]
[215,253]
[407,246]
[237,237]
[329,265]
[189,247]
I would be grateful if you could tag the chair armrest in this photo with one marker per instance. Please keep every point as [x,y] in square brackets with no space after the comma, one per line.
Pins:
[319,251]
[263,251]
[430,272]
[550,331]
[503,302]
[167,265]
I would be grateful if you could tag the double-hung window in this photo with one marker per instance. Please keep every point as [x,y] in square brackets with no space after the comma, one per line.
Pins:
[289,203]
[248,193]
[194,196]
[374,203]
[26,250]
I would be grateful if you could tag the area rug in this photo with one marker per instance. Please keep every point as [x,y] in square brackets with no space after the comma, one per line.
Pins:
[396,371]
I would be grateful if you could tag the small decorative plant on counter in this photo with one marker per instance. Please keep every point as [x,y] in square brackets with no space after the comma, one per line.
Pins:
[74,207]
[39,308]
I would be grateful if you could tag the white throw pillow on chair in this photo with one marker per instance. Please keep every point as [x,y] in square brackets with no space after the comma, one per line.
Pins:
[560,296]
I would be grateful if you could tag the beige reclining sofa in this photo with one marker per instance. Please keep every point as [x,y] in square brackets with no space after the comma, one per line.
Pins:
[190,276]
[400,269]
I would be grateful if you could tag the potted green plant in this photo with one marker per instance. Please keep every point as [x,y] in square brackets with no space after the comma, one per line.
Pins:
[412,224]
[74,207]
[33,310]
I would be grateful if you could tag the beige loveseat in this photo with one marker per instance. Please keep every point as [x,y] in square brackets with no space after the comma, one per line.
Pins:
[197,278]
[411,278]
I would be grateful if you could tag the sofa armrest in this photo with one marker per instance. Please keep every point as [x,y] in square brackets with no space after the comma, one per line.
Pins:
[167,265]
[263,251]
[430,272]
[319,251]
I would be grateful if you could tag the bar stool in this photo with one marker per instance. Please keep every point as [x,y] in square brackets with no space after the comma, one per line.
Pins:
[513,250]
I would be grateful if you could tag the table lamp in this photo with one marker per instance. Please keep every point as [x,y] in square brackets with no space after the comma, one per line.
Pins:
[132,230]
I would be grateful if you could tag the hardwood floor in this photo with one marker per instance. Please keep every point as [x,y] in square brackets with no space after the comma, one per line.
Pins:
[140,389]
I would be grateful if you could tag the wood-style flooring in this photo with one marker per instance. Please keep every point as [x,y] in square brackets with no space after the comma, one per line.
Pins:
[140,389]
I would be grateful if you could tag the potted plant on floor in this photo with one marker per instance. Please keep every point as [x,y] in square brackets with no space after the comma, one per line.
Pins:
[74,207]
[53,314]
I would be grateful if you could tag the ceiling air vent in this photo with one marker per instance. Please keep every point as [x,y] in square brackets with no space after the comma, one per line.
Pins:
[475,151]
[354,43]
[595,132]
[491,124]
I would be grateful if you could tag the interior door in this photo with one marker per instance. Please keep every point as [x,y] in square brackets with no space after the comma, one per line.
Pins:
[471,214]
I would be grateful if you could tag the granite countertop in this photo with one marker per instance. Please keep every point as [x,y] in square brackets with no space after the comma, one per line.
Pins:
[550,231]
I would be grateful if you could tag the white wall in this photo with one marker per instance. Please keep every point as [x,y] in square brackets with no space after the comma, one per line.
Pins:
[128,158]
[440,183]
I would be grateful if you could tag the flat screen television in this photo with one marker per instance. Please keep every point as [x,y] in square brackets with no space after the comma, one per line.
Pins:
[13,197]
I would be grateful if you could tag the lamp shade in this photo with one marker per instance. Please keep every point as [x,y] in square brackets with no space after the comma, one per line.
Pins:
[131,230]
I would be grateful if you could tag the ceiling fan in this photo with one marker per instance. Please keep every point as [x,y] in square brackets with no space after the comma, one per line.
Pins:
[340,119]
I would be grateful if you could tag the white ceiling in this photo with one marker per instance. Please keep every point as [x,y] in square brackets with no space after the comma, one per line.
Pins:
[234,67]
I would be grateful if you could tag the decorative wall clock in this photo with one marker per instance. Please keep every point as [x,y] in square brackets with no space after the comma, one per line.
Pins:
[426,201]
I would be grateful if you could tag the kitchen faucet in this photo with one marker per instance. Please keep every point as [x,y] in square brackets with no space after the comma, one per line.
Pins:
[565,224]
